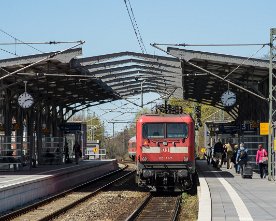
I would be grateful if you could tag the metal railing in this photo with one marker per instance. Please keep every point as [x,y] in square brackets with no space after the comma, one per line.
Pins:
[14,152]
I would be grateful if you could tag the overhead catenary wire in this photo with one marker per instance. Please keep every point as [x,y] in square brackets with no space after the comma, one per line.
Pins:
[15,54]
[244,62]
[16,39]
[43,59]
[211,73]
[20,42]
[210,45]
[135,26]
[140,36]
[39,43]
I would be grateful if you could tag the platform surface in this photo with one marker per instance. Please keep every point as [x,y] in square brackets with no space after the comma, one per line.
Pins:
[8,178]
[236,198]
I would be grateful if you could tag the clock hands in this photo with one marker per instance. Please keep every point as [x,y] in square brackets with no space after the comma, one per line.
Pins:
[229,98]
[25,100]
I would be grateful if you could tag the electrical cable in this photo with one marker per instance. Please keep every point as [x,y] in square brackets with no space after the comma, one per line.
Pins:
[40,43]
[244,61]
[20,41]
[211,73]
[135,28]
[43,59]
[211,45]
[9,52]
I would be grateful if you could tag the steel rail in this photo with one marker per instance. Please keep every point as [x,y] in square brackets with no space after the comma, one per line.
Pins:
[138,210]
[48,200]
[151,204]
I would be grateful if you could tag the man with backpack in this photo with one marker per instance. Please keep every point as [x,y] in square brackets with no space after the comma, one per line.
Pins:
[229,154]
[241,158]
[218,151]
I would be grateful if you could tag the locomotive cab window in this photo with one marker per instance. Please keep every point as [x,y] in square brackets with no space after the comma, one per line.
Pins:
[153,130]
[177,130]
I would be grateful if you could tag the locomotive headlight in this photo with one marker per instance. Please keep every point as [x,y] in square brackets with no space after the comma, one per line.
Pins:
[186,158]
[147,173]
[182,173]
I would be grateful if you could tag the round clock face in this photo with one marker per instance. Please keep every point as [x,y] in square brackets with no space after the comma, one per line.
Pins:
[228,98]
[25,100]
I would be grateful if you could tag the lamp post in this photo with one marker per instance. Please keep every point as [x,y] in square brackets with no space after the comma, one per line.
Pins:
[92,132]
[142,82]
[271,131]
[142,103]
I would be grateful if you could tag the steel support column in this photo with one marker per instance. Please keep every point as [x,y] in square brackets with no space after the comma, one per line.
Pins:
[272,105]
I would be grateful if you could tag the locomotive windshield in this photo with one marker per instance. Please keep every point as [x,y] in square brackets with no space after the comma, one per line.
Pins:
[154,130]
[157,130]
[177,130]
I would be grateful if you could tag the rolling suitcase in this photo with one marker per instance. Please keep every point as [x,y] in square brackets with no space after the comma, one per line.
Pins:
[247,171]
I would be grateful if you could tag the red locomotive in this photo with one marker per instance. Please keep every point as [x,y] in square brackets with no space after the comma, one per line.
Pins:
[165,154]
[132,148]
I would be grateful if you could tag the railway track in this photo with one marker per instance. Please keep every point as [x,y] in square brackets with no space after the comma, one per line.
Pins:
[60,203]
[157,208]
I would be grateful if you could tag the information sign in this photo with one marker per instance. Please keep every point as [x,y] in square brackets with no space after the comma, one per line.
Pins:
[70,127]
[264,128]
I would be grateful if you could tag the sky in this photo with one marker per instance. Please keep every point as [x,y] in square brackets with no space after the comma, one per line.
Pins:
[105,27]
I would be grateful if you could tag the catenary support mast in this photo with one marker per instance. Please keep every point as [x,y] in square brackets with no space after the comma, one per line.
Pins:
[272,104]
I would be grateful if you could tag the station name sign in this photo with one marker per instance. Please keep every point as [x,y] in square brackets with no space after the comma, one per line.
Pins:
[70,127]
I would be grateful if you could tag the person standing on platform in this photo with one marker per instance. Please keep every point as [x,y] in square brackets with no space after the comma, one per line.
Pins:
[218,151]
[66,152]
[234,156]
[77,150]
[208,153]
[242,157]
[224,159]
[229,154]
[261,160]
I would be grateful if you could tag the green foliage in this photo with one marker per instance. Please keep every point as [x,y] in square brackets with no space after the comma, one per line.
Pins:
[132,128]
[95,128]
[186,105]
[117,146]
[206,112]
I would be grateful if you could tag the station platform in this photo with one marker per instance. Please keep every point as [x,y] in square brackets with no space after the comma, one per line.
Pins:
[18,188]
[225,195]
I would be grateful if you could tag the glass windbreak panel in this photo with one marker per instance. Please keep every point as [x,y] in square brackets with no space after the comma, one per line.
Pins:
[155,130]
[177,130]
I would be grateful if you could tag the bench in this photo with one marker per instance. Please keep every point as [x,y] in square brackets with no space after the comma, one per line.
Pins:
[8,163]
[51,158]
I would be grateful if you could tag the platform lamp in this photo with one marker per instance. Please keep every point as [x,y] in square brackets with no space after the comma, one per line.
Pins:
[142,82]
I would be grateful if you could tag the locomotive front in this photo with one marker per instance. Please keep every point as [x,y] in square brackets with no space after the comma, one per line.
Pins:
[165,155]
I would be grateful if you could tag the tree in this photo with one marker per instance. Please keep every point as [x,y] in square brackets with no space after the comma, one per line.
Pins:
[207,112]
[132,128]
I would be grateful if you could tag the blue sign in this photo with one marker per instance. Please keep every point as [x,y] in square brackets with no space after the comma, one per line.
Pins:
[70,127]
[227,129]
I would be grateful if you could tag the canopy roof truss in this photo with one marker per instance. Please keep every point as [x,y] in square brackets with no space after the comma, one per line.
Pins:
[77,83]
[205,77]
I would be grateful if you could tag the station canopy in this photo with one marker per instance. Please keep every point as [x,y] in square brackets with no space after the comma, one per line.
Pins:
[206,76]
[75,83]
